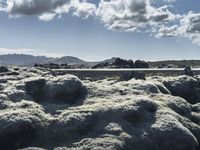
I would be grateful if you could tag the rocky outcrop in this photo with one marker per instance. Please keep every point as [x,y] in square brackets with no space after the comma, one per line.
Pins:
[20,124]
[141,64]
[188,71]
[122,63]
[3,69]
[66,89]
[35,88]
[184,86]
[117,63]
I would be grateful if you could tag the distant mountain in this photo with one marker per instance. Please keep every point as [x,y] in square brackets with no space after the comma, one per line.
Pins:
[70,60]
[29,60]
[22,59]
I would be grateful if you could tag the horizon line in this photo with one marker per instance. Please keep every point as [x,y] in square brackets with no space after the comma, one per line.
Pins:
[43,55]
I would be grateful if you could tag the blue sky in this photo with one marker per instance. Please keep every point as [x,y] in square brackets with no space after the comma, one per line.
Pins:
[94,37]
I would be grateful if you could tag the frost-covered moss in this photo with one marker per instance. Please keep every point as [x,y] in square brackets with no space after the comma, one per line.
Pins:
[41,111]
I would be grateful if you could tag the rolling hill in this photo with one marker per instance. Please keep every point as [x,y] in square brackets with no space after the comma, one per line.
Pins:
[22,59]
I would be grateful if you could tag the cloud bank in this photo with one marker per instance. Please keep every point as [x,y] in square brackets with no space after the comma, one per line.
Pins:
[29,52]
[152,16]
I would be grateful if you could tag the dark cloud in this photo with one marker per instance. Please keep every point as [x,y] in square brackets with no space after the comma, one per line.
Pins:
[35,7]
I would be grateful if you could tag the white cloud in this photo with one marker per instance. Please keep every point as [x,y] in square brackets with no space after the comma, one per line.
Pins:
[188,27]
[170,1]
[122,15]
[168,31]
[83,9]
[133,15]
[29,52]
[46,9]
[34,7]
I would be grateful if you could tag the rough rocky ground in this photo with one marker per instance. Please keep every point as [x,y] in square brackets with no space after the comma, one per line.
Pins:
[41,111]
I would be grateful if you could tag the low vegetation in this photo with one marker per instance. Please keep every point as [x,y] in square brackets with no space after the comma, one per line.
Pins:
[41,110]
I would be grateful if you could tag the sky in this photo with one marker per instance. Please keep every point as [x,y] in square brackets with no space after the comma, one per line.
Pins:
[100,29]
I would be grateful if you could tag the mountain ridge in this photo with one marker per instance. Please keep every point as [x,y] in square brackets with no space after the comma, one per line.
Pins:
[22,59]
[30,60]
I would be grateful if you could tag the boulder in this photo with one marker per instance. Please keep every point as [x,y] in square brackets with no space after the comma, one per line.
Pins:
[183,86]
[131,75]
[20,125]
[3,69]
[13,73]
[35,88]
[141,64]
[196,107]
[66,89]
[188,71]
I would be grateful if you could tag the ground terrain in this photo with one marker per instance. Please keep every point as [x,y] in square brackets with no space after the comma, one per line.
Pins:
[43,110]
